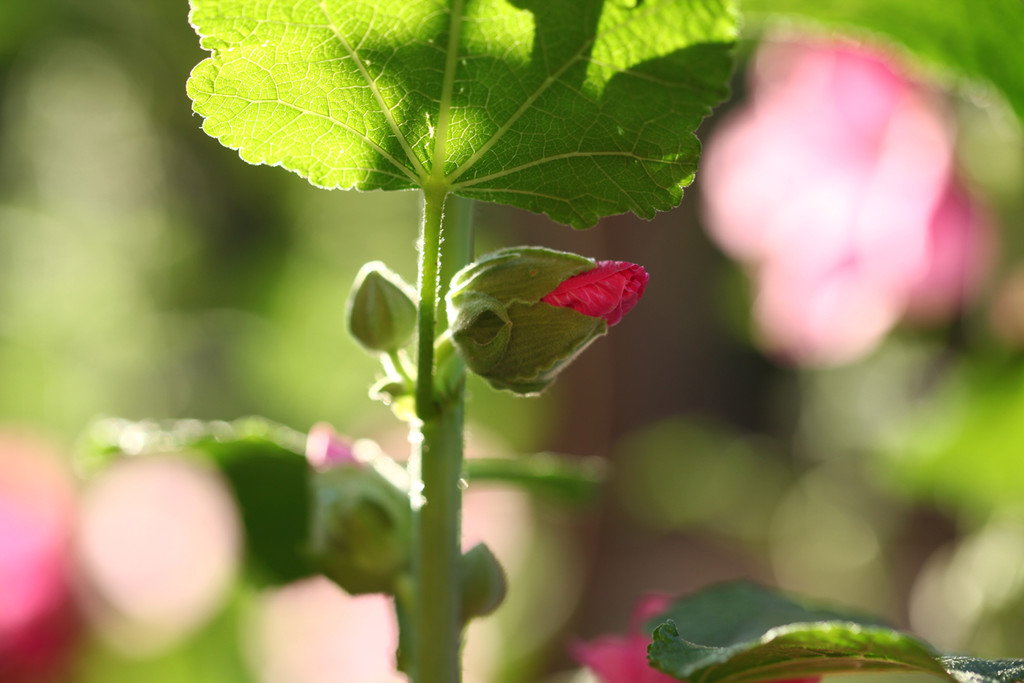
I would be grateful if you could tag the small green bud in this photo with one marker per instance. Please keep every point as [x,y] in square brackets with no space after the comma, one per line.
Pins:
[483,582]
[381,310]
[502,328]
[361,529]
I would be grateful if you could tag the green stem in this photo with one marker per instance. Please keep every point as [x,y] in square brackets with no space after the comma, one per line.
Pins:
[395,364]
[437,623]
[437,462]
[430,256]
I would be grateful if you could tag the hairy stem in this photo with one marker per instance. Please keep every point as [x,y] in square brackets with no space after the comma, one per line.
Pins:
[429,288]
[437,458]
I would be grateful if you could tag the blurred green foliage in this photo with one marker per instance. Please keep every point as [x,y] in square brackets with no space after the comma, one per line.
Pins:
[210,655]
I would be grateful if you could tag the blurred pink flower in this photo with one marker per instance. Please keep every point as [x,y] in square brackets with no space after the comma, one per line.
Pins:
[37,620]
[325,448]
[836,188]
[608,291]
[313,632]
[158,542]
[623,659]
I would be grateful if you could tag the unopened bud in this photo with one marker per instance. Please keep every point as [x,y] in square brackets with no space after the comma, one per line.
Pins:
[325,448]
[483,582]
[361,529]
[520,315]
[381,310]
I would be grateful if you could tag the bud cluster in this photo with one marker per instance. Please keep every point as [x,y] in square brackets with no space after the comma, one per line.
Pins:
[517,316]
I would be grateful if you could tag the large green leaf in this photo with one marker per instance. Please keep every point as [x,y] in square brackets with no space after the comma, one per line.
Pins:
[574,108]
[980,40]
[741,633]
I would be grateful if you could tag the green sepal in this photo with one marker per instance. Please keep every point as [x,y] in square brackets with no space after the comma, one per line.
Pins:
[381,310]
[361,529]
[544,340]
[523,274]
[484,584]
[481,330]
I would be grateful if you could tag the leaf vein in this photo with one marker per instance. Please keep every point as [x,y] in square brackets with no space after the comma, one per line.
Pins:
[372,84]
[447,85]
[302,110]
[541,89]
[549,159]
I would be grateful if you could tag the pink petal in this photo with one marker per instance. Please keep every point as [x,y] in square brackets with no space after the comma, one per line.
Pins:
[623,659]
[618,659]
[608,291]
[960,247]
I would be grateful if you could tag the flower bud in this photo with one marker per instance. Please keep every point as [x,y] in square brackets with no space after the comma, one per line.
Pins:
[520,315]
[326,449]
[361,528]
[381,310]
[483,582]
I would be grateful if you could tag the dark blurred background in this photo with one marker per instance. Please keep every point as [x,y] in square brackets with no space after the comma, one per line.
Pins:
[146,271]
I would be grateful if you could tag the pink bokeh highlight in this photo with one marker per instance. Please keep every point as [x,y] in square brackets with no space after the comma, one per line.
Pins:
[313,632]
[38,624]
[158,546]
[836,187]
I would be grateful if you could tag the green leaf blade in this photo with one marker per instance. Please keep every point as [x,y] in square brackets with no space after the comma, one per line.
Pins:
[741,633]
[287,87]
[975,670]
[574,108]
[607,126]
[794,651]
